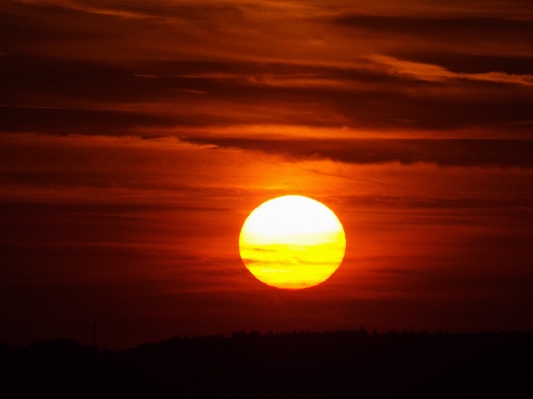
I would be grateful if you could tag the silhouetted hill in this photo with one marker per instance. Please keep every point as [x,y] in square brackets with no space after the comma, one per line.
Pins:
[343,364]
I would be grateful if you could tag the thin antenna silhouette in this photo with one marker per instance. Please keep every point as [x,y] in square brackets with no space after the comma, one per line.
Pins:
[94,334]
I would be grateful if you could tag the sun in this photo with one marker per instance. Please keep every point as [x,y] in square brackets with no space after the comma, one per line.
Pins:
[292,242]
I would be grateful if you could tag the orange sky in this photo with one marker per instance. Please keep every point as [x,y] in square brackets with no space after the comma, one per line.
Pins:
[135,138]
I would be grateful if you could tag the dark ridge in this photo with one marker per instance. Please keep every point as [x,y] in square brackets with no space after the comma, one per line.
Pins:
[341,364]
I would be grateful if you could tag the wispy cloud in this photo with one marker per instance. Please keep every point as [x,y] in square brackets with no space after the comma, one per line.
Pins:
[435,73]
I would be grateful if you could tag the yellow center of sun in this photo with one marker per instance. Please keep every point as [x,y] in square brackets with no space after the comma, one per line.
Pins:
[292,242]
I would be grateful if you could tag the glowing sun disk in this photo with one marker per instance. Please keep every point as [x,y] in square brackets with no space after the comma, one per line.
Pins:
[292,242]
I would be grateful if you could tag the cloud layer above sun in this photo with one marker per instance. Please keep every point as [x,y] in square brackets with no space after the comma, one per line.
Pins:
[116,68]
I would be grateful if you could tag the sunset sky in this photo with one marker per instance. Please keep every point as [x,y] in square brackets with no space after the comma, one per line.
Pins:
[136,137]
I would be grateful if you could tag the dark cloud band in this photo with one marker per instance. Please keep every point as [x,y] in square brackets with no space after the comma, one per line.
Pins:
[443,152]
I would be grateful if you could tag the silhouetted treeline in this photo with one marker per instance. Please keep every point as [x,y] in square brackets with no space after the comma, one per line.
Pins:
[342,364]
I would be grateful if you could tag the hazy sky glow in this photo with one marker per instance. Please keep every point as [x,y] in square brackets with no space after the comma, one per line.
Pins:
[136,137]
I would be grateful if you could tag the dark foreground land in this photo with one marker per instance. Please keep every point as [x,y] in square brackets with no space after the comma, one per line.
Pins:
[344,364]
